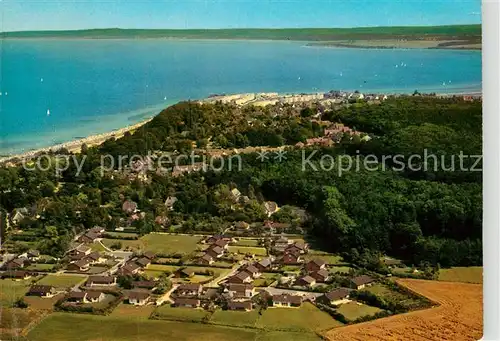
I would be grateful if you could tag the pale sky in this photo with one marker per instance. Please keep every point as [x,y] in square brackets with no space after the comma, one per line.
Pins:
[22,15]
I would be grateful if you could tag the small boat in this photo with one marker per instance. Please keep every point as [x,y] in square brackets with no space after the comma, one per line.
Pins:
[41,80]
[48,112]
[165,98]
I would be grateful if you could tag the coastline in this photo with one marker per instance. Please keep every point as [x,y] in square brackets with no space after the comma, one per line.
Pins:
[393,44]
[355,44]
[74,146]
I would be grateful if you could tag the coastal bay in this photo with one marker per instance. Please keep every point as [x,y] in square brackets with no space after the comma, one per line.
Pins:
[56,91]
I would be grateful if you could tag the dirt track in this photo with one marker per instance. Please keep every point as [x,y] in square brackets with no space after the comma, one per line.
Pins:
[459,316]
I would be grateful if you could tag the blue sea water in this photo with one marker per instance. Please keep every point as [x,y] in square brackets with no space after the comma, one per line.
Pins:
[94,86]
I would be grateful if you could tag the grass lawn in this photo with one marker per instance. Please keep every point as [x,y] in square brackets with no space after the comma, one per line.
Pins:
[168,244]
[11,290]
[411,302]
[305,318]
[471,274]
[97,247]
[163,268]
[166,312]
[156,270]
[260,251]
[291,268]
[112,328]
[247,242]
[122,234]
[265,280]
[133,312]
[339,269]
[329,258]
[153,274]
[379,290]
[200,279]
[40,267]
[62,281]
[354,310]
[133,245]
[235,318]
[42,303]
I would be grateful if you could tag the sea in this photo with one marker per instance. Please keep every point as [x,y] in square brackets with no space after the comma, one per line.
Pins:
[58,90]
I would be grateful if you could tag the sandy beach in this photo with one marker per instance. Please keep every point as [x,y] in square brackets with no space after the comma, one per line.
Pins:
[76,145]
[402,44]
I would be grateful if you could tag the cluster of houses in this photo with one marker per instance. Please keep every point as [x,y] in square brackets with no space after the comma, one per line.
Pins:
[82,258]
[136,264]
[291,252]
[91,235]
[218,245]
[21,261]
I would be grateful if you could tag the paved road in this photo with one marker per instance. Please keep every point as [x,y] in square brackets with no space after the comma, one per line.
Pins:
[166,296]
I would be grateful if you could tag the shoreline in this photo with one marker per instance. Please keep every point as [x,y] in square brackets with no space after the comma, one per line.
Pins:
[392,44]
[74,146]
[411,44]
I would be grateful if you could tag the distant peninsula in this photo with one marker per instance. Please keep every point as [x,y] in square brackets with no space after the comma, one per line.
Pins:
[451,36]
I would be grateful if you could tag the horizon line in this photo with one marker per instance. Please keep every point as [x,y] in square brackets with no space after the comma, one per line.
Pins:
[234,28]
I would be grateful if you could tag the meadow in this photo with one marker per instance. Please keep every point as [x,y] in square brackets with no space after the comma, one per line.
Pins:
[305,318]
[355,310]
[235,318]
[472,274]
[259,251]
[166,312]
[11,290]
[62,281]
[170,244]
[56,327]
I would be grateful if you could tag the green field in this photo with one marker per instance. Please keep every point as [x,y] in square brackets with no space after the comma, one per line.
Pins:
[235,318]
[305,318]
[156,270]
[11,290]
[62,281]
[340,269]
[97,247]
[40,267]
[259,251]
[247,242]
[57,327]
[354,310]
[472,274]
[326,257]
[133,312]
[166,312]
[122,235]
[134,245]
[170,244]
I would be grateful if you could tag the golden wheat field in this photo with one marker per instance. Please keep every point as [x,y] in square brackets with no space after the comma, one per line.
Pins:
[458,317]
